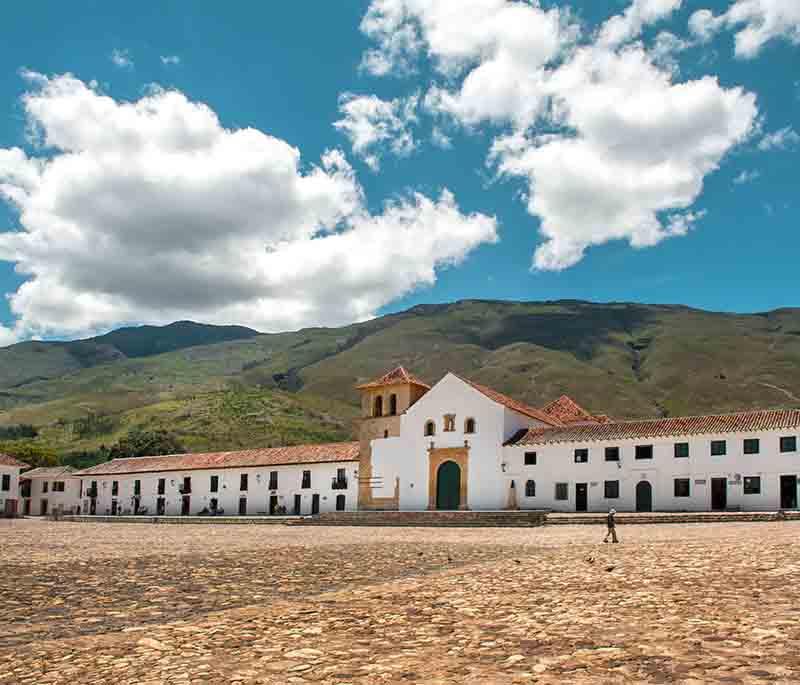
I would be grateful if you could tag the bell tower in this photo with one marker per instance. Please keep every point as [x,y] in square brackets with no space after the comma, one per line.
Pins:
[382,402]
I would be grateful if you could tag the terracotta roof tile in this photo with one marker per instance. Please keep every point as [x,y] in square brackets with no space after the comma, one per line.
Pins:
[513,404]
[394,377]
[742,422]
[568,411]
[50,472]
[8,460]
[276,456]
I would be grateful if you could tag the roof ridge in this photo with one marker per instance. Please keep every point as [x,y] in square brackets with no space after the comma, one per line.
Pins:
[524,408]
[704,416]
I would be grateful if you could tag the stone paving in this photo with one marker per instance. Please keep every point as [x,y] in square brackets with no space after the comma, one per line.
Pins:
[110,603]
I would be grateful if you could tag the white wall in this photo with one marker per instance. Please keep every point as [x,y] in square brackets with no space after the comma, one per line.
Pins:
[556,464]
[257,494]
[13,486]
[65,502]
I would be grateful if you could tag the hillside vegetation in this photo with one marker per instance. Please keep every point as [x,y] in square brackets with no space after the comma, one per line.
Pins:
[229,387]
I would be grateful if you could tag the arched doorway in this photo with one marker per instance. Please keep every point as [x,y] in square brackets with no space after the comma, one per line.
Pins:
[644,496]
[448,486]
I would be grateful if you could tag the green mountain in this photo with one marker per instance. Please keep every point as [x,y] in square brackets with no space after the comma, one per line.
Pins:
[225,388]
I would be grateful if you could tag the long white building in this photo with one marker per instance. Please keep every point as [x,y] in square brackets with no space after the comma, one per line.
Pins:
[461,445]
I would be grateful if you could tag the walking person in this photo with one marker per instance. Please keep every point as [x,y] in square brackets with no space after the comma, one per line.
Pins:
[612,526]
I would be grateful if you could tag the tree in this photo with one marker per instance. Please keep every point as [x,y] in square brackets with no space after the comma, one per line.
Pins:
[140,443]
[31,453]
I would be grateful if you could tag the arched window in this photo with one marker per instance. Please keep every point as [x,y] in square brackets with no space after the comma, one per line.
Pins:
[378,411]
[469,426]
[530,489]
[392,404]
[430,428]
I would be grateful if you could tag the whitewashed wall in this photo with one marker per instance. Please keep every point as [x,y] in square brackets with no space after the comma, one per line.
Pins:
[13,488]
[556,464]
[64,502]
[257,494]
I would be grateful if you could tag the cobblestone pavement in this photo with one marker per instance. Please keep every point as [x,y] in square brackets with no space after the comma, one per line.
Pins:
[116,603]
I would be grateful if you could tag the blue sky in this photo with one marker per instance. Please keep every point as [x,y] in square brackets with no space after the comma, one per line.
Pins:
[716,230]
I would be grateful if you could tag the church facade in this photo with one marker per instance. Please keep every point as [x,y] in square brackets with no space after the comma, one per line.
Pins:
[461,445]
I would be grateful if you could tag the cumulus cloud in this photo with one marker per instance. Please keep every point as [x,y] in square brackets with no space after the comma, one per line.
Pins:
[610,144]
[170,59]
[746,176]
[151,210]
[371,124]
[756,22]
[121,59]
[779,140]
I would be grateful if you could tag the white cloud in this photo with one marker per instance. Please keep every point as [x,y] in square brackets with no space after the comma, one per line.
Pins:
[170,59]
[122,59]
[779,140]
[371,124]
[610,144]
[440,139]
[756,22]
[746,176]
[628,25]
[152,211]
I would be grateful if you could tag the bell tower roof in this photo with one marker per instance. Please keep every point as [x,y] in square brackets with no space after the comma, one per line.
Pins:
[398,376]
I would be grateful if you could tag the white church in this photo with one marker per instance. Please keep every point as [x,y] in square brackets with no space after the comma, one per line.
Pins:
[461,445]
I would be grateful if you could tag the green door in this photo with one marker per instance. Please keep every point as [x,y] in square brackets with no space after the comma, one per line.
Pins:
[448,486]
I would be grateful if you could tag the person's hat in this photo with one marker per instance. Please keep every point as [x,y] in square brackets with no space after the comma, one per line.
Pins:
[612,511]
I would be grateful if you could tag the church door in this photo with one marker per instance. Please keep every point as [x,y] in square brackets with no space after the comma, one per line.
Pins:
[644,496]
[448,486]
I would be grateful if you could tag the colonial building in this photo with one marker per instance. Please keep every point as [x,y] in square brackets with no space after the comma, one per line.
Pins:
[49,490]
[9,485]
[461,445]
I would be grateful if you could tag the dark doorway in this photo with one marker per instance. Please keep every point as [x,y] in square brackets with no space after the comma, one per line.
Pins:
[273,504]
[27,507]
[160,506]
[43,507]
[581,496]
[644,496]
[10,508]
[92,506]
[114,507]
[448,486]
[340,500]
[243,506]
[788,492]
[314,504]
[186,502]
[298,503]
[719,494]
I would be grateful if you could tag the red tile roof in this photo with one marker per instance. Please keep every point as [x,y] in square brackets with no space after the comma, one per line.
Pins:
[7,460]
[276,456]
[568,411]
[513,404]
[742,422]
[394,377]
[50,472]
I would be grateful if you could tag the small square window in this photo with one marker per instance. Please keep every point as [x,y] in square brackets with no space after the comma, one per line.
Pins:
[6,484]
[718,448]
[243,482]
[752,485]
[644,451]
[562,491]
[751,446]
[789,444]
[530,458]
[581,456]
[214,484]
[681,450]
[681,487]
[45,487]
[306,482]
[611,489]
[612,453]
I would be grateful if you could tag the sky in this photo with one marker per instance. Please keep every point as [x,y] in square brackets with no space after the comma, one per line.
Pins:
[282,165]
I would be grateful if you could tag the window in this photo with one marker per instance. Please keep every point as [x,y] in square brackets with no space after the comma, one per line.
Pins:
[562,491]
[751,446]
[114,488]
[449,423]
[273,480]
[243,482]
[340,502]
[214,483]
[644,451]
[58,486]
[530,488]
[752,485]
[162,485]
[789,444]
[430,428]
[611,489]
[681,450]
[530,458]
[681,487]
[581,456]
[469,426]
[243,506]
[306,479]
[612,453]
[137,488]
[6,486]
[718,448]
[187,485]
[392,404]
[45,486]
[378,408]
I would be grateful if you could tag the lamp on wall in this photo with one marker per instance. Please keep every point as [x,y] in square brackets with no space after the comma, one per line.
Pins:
[503,466]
